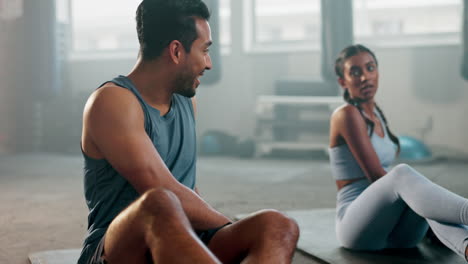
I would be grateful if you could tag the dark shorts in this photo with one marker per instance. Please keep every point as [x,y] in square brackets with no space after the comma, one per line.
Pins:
[205,236]
[97,256]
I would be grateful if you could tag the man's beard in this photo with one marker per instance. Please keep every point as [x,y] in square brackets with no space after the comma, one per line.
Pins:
[184,84]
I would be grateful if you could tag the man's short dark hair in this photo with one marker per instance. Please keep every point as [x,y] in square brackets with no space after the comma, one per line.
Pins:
[159,22]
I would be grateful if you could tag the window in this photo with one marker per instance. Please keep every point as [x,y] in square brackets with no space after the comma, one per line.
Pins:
[402,22]
[283,24]
[104,25]
[11,10]
[109,26]
[225,25]
[62,11]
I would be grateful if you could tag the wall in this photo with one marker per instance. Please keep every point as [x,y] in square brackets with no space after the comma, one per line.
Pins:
[422,83]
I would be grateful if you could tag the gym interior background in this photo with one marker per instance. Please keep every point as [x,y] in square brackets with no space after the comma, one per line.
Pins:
[54,53]
[261,107]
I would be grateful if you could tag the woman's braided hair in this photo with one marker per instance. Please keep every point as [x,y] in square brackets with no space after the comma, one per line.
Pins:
[339,70]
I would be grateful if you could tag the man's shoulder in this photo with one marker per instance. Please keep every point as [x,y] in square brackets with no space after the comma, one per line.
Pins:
[111,99]
[110,88]
[111,93]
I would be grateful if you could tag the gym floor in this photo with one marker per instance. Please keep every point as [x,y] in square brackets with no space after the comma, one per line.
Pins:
[42,205]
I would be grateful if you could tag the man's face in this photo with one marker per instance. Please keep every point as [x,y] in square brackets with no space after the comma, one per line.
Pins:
[197,61]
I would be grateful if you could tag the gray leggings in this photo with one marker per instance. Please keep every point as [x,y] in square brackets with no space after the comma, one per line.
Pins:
[394,212]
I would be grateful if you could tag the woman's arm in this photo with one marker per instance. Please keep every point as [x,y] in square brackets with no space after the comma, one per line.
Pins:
[349,125]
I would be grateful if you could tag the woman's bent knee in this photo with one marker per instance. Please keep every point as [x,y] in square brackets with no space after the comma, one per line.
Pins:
[402,168]
[402,171]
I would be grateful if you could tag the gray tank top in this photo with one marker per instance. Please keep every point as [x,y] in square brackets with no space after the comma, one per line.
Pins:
[107,193]
[345,167]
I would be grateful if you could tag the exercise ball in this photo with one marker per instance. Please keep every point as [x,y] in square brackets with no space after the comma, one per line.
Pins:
[413,149]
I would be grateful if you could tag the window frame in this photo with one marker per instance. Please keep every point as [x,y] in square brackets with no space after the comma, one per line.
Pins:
[251,45]
[77,54]
[411,40]
[378,41]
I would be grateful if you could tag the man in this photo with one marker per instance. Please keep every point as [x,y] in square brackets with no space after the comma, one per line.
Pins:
[138,144]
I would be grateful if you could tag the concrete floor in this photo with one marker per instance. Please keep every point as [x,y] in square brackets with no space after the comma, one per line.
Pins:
[42,205]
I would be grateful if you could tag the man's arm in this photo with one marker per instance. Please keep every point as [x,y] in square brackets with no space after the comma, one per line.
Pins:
[114,123]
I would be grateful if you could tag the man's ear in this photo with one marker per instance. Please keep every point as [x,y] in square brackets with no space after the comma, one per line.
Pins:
[176,51]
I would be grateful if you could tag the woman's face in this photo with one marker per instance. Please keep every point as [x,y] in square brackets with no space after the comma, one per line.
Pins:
[360,76]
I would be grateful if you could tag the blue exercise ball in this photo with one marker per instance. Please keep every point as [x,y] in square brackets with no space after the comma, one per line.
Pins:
[210,145]
[413,149]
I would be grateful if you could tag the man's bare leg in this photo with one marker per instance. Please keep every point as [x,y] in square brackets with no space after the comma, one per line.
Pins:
[155,224]
[264,237]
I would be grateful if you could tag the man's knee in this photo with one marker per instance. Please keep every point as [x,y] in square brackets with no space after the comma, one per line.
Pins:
[274,223]
[159,201]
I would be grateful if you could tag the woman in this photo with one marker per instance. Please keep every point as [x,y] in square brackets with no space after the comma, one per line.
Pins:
[379,207]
